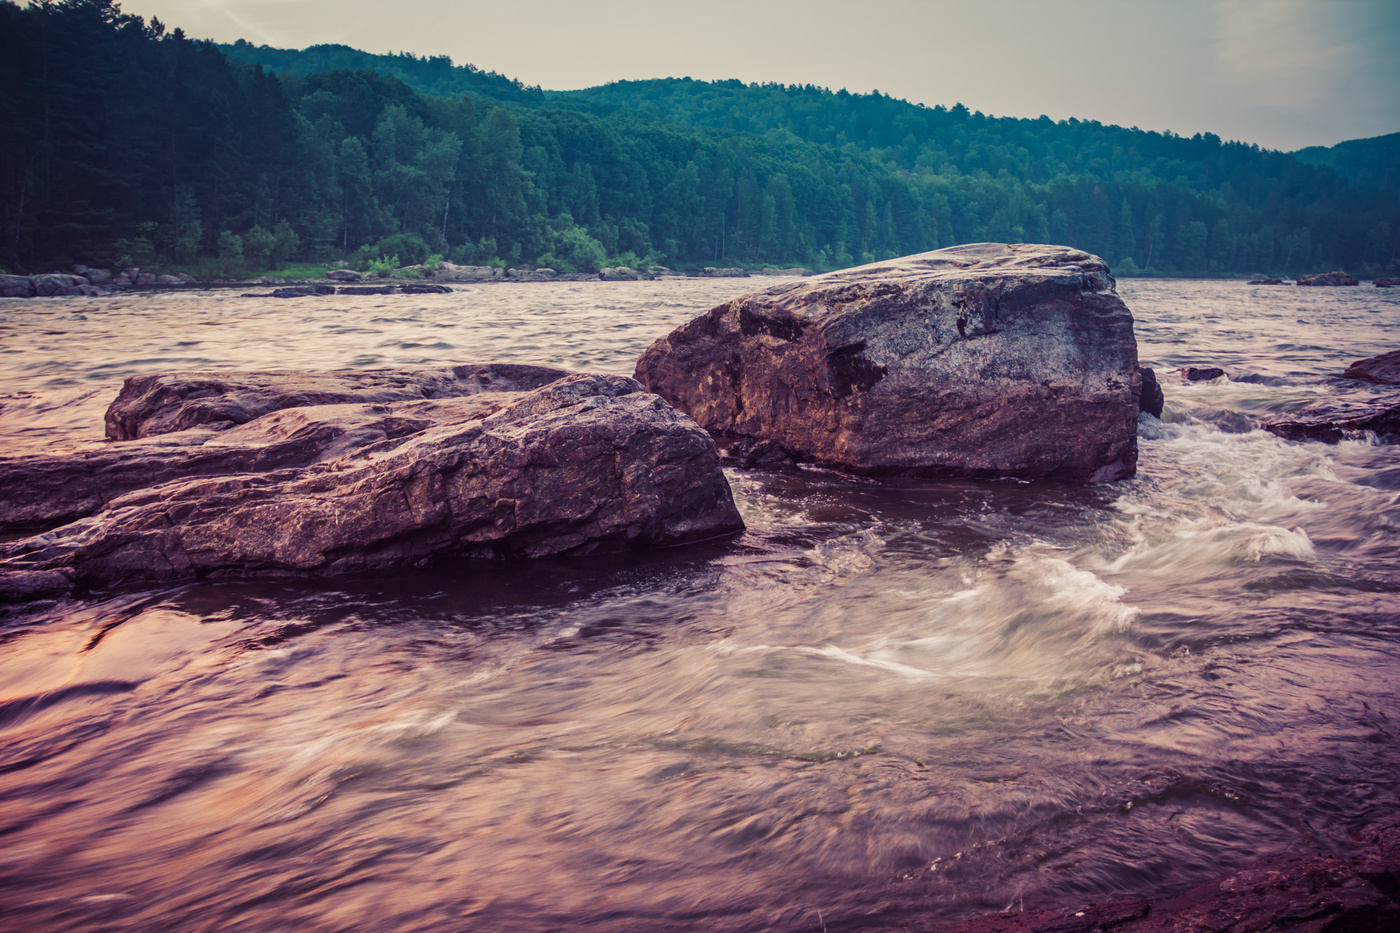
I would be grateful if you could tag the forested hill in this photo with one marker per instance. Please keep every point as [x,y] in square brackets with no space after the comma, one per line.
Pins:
[1370,163]
[126,141]
[433,75]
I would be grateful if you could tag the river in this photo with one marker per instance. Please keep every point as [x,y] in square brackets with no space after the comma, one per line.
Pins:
[887,705]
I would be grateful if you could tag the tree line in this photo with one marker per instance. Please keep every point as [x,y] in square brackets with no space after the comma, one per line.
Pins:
[127,143]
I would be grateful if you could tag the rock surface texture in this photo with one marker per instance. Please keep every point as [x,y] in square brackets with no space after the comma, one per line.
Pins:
[984,360]
[362,471]
[1334,420]
[1383,369]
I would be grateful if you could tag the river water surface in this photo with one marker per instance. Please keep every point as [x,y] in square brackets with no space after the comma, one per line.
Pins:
[887,705]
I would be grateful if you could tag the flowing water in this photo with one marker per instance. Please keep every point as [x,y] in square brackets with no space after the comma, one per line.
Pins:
[887,705]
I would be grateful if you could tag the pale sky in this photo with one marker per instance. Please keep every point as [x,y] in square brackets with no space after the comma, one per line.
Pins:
[1281,73]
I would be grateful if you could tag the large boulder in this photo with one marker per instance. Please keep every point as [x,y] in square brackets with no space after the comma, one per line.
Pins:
[184,425]
[980,361]
[16,286]
[586,463]
[1384,369]
[57,284]
[1328,278]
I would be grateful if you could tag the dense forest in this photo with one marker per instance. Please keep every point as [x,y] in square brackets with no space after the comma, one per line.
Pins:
[129,143]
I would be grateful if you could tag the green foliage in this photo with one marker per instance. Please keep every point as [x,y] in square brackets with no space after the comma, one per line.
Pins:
[412,248]
[433,262]
[383,266]
[573,250]
[284,243]
[230,250]
[258,245]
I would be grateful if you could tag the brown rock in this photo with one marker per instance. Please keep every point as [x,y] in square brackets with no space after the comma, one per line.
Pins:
[585,463]
[983,360]
[1328,278]
[344,275]
[1384,369]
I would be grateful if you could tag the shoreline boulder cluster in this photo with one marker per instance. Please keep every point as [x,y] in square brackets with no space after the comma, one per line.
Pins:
[979,361]
[83,281]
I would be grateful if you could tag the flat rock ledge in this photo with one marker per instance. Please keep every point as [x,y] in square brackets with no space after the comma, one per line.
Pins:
[287,474]
[986,360]
[1297,893]
[1336,420]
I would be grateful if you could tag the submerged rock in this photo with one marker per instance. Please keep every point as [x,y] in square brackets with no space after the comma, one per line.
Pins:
[1383,369]
[582,464]
[303,291]
[1331,421]
[980,361]
[1313,893]
[1328,278]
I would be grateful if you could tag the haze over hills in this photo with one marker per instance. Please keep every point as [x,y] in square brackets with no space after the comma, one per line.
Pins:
[133,144]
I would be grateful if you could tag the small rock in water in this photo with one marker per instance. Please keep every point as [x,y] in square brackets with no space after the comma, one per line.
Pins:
[1383,369]
[303,291]
[1202,374]
[1328,278]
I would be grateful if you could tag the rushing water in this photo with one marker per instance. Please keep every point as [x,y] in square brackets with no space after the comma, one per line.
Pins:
[888,705]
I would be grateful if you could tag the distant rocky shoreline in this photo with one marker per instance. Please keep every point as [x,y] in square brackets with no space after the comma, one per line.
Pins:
[84,281]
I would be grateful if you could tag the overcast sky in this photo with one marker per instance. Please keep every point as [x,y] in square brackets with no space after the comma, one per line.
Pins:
[1282,73]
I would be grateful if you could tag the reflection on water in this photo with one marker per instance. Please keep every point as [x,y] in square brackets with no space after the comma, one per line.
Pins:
[887,705]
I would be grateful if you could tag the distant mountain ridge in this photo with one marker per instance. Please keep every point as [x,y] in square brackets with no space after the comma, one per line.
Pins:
[1371,163]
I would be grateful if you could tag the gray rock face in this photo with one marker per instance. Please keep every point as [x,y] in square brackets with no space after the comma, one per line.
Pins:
[582,464]
[1383,369]
[1328,278]
[980,361]
[16,286]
